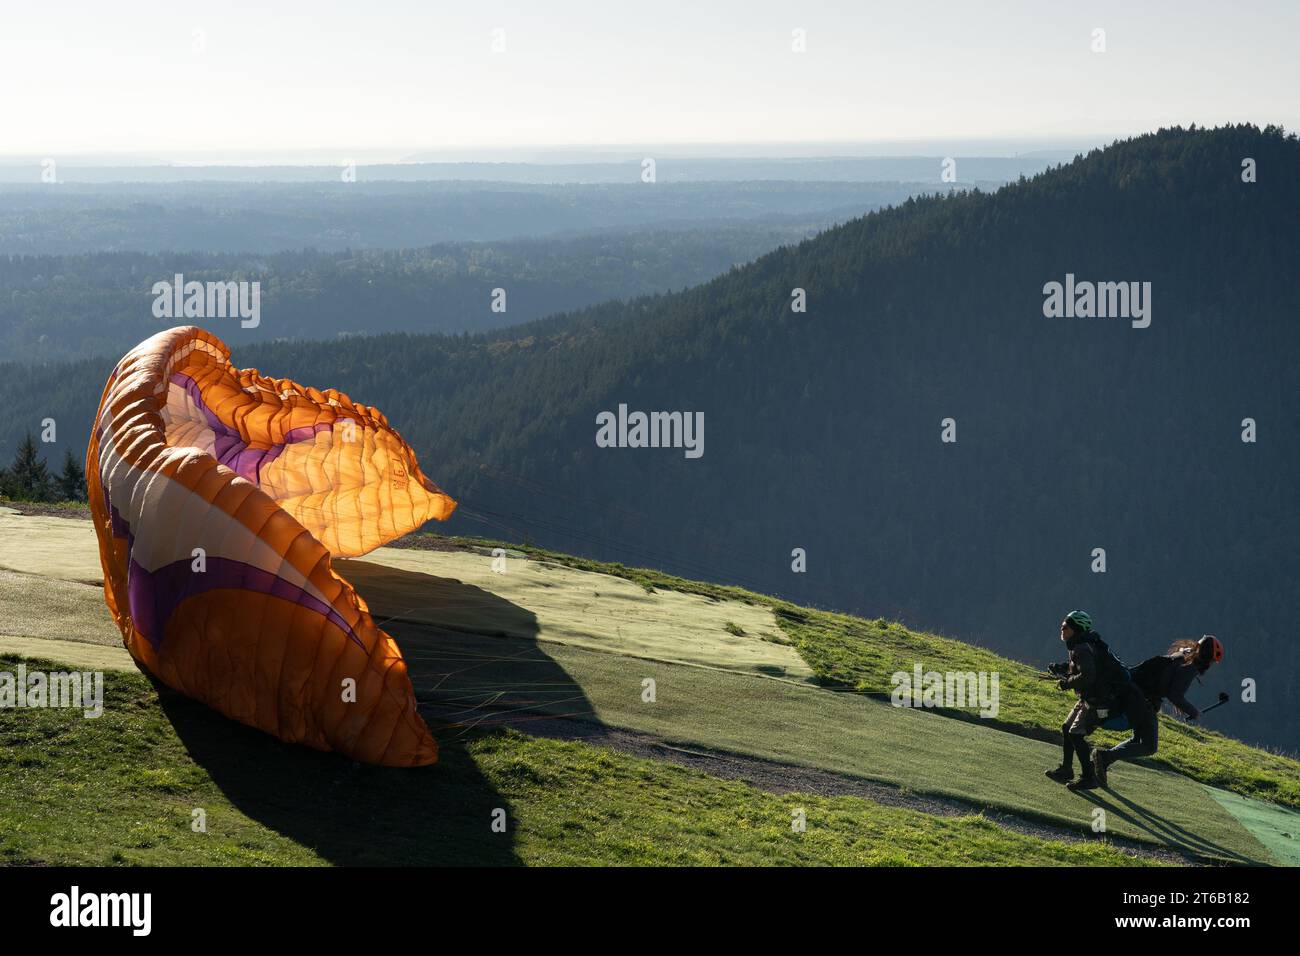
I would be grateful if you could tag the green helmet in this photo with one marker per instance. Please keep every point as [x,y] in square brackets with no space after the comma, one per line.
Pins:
[1081,620]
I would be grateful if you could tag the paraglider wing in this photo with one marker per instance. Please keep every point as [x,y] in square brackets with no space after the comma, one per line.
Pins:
[219,496]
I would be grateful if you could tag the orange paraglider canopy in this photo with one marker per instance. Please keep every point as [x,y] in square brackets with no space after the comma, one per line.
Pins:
[218,496]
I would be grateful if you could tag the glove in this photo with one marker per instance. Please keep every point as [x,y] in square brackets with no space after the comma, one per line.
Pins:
[1062,685]
[1058,669]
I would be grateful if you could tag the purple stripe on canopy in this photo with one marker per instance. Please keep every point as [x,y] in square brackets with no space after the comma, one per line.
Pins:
[155,595]
[232,451]
[121,528]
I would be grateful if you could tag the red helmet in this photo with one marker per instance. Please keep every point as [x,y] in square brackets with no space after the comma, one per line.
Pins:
[1211,649]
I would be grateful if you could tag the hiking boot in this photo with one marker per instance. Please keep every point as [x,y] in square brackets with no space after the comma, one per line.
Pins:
[1061,774]
[1087,782]
[1099,767]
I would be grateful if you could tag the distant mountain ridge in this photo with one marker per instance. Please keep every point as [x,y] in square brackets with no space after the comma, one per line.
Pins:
[669,169]
[332,215]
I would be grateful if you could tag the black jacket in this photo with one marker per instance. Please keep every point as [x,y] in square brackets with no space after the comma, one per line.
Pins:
[1081,670]
[1171,684]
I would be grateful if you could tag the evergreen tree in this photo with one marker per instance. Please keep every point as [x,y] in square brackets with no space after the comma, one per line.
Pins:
[71,481]
[28,474]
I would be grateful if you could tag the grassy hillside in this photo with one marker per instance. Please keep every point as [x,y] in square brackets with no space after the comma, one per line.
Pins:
[122,790]
[860,655]
[749,689]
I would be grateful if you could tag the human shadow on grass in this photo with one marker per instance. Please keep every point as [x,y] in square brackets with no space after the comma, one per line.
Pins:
[1160,828]
[465,681]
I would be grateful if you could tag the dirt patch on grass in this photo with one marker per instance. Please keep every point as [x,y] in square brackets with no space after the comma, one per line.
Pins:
[78,511]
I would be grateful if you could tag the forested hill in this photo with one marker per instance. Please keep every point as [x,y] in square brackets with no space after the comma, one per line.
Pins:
[823,429]
[76,306]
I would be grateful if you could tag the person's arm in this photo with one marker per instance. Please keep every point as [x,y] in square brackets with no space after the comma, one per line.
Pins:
[1085,669]
[1178,690]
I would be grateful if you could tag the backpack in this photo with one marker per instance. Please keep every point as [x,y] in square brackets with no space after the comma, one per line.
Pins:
[1112,674]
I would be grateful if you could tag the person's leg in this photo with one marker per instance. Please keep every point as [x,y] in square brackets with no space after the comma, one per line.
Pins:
[1082,725]
[1145,739]
[1084,751]
[1067,739]
[1065,772]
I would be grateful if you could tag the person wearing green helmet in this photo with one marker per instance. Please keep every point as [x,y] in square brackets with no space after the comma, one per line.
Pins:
[1105,693]
[1081,620]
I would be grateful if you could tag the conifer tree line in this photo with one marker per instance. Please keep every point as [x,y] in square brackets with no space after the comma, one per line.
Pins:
[29,478]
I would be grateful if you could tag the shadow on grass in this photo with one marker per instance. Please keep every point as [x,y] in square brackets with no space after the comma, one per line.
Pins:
[473,657]
[349,813]
[1160,828]
[354,814]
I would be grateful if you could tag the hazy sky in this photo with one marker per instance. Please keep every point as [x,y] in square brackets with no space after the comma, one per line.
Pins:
[417,75]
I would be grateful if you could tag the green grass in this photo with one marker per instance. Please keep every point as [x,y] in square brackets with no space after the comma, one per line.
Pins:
[863,654]
[804,726]
[73,508]
[582,805]
[121,790]
[860,655]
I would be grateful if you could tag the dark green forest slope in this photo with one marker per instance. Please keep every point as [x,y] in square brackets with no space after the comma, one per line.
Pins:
[823,429]
[96,304]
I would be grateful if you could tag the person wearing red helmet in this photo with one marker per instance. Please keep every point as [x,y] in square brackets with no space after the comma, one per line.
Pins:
[1170,675]
[1164,677]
